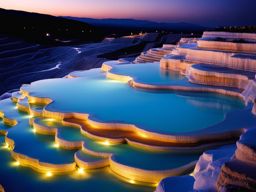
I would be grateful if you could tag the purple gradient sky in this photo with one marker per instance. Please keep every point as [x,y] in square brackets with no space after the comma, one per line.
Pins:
[204,12]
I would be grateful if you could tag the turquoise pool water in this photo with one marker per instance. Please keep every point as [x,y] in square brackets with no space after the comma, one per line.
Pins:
[112,101]
[125,154]
[31,144]
[151,73]
[17,178]
[148,73]
[42,148]
[3,126]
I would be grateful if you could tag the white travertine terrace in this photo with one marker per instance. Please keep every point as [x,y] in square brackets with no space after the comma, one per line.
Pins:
[154,54]
[209,50]
[249,94]
[233,56]
[221,58]
[187,40]
[229,35]
[232,46]
[239,171]
[209,166]
[191,51]
[205,174]
[246,150]
[221,169]
[215,78]
[1,188]
[178,63]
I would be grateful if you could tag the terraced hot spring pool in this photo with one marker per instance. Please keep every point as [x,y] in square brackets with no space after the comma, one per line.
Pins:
[154,111]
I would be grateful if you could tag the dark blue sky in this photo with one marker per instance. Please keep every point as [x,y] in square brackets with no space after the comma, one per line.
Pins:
[204,12]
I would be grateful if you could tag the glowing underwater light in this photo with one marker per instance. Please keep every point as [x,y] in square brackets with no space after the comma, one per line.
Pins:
[48,174]
[142,135]
[106,143]
[6,146]
[17,163]
[27,117]
[56,145]
[132,181]
[33,130]
[51,120]
[80,171]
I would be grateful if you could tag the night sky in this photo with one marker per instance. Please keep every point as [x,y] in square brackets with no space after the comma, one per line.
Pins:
[204,12]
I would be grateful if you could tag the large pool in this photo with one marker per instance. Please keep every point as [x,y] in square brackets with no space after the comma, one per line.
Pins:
[113,101]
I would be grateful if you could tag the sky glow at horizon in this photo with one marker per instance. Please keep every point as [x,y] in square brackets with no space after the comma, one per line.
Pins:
[204,12]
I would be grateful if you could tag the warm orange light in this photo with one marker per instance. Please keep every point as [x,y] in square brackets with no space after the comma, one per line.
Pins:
[142,135]
[56,145]
[51,120]
[48,174]
[156,184]
[16,163]
[132,181]
[28,117]
[32,101]
[80,171]
[106,143]
[6,146]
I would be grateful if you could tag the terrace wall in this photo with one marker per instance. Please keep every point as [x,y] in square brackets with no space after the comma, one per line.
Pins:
[229,35]
[224,59]
[217,79]
[243,47]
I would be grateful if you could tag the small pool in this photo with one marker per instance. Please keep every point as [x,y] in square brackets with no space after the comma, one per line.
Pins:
[125,154]
[18,178]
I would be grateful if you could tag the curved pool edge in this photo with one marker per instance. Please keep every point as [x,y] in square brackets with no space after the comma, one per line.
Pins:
[1,188]
[135,174]
[148,176]
[71,145]
[107,160]
[173,138]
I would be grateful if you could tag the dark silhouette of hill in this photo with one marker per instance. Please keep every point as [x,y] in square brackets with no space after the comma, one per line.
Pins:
[140,25]
[46,29]
[52,30]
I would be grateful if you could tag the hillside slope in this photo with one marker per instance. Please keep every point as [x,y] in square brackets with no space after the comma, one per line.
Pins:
[46,29]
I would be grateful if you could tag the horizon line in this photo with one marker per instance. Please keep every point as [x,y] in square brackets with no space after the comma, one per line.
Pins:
[117,18]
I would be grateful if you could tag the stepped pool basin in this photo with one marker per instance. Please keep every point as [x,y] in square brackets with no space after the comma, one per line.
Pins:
[118,102]
[26,179]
